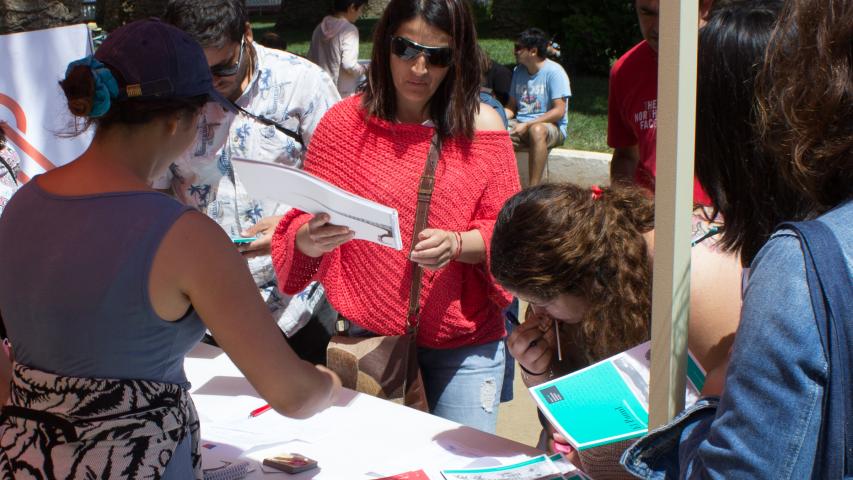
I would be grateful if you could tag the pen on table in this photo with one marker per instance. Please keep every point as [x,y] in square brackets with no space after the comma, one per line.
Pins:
[259,411]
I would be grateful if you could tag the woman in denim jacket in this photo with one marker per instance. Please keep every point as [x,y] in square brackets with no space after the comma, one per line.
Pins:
[766,422]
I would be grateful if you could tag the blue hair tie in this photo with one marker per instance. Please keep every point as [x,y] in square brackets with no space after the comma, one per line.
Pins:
[106,86]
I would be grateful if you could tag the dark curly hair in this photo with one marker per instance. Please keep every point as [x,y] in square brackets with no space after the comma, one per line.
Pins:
[805,93]
[555,239]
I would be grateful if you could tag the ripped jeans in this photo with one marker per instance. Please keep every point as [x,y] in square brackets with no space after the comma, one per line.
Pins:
[464,384]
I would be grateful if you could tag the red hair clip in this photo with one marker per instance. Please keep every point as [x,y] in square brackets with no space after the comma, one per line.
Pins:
[596,192]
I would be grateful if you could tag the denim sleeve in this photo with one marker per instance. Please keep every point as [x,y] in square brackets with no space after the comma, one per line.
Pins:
[769,417]
[655,456]
[767,423]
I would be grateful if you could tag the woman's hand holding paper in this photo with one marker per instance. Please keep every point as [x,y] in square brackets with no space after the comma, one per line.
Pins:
[318,236]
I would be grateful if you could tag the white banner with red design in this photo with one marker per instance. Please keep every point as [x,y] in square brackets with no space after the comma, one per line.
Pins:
[32,103]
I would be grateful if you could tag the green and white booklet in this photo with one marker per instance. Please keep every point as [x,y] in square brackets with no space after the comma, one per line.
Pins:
[608,401]
[543,467]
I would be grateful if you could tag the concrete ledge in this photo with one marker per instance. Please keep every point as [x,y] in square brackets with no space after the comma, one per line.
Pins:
[575,166]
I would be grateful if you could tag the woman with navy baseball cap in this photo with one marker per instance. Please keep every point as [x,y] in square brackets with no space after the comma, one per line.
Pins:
[107,284]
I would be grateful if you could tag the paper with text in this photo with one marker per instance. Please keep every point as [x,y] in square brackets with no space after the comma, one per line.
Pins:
[369,220]
[543,467]
[609,401]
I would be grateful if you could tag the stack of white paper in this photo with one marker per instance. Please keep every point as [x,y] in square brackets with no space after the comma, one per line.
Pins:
[369,220]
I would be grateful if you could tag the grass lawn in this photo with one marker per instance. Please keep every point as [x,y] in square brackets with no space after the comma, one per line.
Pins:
[587,108]
[588,114]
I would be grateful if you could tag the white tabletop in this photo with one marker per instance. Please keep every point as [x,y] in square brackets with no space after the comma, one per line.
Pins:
[361,437]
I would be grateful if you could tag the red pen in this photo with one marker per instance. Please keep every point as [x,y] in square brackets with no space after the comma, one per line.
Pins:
[259,411]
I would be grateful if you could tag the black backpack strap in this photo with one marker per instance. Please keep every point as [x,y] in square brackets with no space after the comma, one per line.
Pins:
[831,291]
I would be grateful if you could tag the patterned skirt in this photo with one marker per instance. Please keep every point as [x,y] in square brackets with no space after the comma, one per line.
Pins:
[66,427]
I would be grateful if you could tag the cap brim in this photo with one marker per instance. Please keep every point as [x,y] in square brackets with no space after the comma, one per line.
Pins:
[217,97]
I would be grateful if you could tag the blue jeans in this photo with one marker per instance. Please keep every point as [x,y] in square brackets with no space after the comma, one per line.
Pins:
[511,314]
[464,384]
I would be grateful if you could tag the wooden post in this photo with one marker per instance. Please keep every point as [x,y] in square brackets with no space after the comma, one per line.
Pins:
[674,200]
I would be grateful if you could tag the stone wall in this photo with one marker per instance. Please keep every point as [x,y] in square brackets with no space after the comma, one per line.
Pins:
[575,166]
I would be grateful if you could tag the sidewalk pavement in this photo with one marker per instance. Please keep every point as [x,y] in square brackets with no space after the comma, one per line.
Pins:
[575,166]
[517,420]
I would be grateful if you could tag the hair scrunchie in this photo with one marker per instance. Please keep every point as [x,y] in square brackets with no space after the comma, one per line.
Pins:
[106,86]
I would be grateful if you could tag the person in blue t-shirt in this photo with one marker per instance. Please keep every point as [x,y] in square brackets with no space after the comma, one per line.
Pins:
[538,99]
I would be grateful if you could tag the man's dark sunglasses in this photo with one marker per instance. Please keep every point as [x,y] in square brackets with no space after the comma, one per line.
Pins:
[408,50]
[229,70]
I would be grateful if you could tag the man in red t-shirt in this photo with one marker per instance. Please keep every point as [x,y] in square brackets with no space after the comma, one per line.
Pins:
[632,106]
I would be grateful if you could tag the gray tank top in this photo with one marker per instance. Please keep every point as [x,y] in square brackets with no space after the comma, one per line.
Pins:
[74,285]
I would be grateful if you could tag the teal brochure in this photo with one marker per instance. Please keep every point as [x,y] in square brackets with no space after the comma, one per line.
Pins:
[608,401]
[543,467]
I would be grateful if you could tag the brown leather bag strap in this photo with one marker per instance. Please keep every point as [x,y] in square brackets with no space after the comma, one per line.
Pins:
[425,188]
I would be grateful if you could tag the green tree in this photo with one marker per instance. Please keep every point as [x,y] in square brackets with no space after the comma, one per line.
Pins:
[304,14]
[375,8]
[26,15]
[592,33]
[509,17]
[119,12]
[301,14]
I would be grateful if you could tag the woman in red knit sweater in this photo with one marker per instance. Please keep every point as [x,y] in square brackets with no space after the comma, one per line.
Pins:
[424,78]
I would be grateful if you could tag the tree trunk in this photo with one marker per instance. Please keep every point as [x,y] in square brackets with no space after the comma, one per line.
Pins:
[119,12]
[26,15]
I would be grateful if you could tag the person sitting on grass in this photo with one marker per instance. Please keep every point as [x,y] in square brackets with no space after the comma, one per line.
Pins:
[538,101]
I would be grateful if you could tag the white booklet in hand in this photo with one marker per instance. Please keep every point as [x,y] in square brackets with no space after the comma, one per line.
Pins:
[369,220]
[608,401]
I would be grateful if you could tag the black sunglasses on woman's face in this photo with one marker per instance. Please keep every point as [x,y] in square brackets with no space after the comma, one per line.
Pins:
[409,50]
[229,70]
